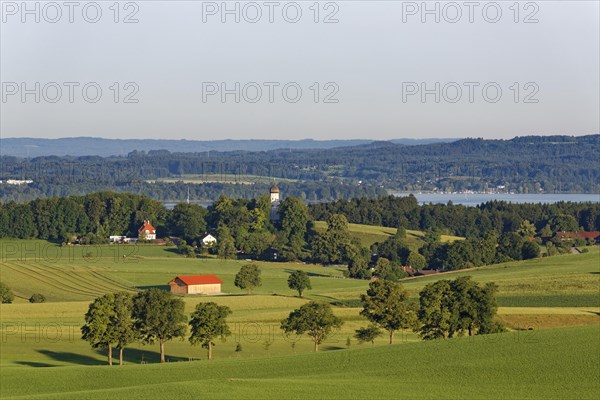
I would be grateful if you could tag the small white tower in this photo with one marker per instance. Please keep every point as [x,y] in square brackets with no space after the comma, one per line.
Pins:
[274,193]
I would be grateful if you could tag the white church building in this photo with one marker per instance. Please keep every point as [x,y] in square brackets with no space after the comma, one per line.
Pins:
[274,214]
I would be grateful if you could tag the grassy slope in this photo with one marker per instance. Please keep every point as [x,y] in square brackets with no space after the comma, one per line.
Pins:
[560,281]
[549,292]
[369,234]
[552,364]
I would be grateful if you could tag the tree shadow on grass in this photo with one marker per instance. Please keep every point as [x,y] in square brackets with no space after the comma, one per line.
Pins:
[140,356]
[71,358]
[329,348]
[133,356]
[595,313]
[161,287]
[35,364]
[289,271]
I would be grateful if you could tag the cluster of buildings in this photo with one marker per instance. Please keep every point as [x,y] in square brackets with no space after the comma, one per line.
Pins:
[17,181]
[145,232]
[148,232]
[196,284]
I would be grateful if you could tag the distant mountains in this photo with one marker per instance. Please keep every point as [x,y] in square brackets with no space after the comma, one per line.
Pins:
[91,146]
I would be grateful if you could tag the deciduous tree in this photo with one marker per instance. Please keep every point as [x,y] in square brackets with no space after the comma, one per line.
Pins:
[209,322]
[386,305]
[159,317]
[299,281]
[368,334]
[248,278]
[315,319]
[96,329]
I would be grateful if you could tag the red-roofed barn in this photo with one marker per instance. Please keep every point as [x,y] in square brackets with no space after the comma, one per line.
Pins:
[196,284]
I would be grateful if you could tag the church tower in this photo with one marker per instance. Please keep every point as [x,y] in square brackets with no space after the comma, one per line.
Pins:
[274,213]
[274,193]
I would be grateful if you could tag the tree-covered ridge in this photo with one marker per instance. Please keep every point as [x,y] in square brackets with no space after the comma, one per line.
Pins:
[460,220]
[495,231]
[524,164]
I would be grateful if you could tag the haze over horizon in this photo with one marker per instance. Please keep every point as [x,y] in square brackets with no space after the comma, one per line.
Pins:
[375,70]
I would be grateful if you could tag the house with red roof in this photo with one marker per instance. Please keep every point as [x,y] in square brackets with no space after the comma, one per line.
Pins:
[590,236]
[147,231]
[196,284]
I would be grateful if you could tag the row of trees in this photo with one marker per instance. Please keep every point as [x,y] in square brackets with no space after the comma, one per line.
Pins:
[445,309]
[115,320]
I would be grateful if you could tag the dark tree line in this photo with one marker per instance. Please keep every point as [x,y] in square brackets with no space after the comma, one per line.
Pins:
[493,216]
[97,215]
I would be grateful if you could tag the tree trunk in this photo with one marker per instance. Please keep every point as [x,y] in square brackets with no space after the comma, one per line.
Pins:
[162,351]
[316,344]
[121,356]
[470,330]
[391,337]
[109,354]
[209,350]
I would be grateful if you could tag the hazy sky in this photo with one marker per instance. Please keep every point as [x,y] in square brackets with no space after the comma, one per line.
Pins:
[360,77]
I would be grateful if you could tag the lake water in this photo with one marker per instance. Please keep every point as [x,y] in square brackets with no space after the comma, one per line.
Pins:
[473,199]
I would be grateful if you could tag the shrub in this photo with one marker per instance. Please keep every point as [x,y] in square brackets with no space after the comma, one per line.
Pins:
[6,294]
[37,298]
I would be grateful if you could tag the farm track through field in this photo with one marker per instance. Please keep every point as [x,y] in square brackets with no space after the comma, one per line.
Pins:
[114,281]
[66,277]
[81,273]
[59,286]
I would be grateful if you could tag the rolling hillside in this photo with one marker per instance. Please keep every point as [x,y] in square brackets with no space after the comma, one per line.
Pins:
[551,364]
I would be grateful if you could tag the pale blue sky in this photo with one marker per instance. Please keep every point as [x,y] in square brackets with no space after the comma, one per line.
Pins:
[370,54]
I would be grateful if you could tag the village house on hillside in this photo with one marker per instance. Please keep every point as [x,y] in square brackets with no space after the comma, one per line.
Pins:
[591,236]
[208,240]
[147,231]
[196,284]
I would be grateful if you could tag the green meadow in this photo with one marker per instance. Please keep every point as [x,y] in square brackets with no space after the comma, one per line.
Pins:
[550,364]
[369,234]
[551,306]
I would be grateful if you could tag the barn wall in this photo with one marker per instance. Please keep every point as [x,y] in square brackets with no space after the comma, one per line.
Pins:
[178,288]
[199,289]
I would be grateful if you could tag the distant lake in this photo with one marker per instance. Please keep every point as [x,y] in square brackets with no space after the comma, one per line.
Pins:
[473,199]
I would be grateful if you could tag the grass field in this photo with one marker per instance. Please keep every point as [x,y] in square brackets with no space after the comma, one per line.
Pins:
[545,295]
[369,234]
[551,364]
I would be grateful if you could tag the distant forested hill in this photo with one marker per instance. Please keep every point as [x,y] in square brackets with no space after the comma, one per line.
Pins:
[530,164]
[88,146]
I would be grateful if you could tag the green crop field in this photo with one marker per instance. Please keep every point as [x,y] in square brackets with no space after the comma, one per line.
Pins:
[558,297]
[552,364]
